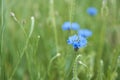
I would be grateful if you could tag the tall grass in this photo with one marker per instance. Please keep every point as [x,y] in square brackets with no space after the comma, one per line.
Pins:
[36,48]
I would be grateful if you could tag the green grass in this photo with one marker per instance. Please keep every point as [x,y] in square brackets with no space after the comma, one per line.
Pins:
[36,49]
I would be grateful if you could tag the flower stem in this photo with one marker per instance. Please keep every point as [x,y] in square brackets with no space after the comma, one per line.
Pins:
[75,68]
[52,14]
[24,49]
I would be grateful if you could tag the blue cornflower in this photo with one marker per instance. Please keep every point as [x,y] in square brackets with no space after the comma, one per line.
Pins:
[66,26]
[75,26]
[70,26]
[92,11]
[77,41]
[85,33]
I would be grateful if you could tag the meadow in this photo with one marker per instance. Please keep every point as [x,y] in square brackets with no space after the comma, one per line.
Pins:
[35,41]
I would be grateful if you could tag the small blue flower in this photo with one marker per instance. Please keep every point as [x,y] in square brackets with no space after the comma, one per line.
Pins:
[66,26]
[85,33]
[71,39]
[83,41]
[75,26]
[92,11]
[70,26]
[77,41]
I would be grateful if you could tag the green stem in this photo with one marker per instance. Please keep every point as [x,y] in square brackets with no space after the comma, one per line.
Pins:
[104,13]
[50,63]
[75,66]
[52,14]
[24,49]
[71,10]
[17,21]
[2,25]
[2,72]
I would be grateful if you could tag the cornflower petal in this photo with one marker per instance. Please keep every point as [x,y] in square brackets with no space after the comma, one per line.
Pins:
[85,33]
[92,11]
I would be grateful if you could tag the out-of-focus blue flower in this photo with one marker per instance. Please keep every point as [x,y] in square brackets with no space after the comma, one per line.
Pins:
[85,33]
[77,41]
[75,26]
[66,26]
[92,11]
[70,26]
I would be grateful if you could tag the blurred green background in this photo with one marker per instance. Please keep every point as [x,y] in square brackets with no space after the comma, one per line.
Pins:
[45,55]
